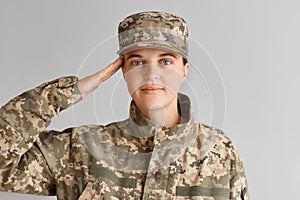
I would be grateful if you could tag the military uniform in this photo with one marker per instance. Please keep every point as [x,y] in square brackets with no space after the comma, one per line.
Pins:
[89,162]
[130,159]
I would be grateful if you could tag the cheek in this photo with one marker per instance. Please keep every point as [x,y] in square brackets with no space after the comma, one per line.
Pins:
[124,69]
[180,70]
[133,79]
[126,66]
[173,80]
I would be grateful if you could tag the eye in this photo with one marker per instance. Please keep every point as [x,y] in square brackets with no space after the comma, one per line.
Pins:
[166,62]
[137,62]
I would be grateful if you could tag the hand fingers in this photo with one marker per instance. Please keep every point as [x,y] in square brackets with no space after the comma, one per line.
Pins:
[111,69]
[117,63]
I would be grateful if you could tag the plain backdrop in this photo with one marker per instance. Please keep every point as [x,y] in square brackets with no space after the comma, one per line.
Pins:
[244,77]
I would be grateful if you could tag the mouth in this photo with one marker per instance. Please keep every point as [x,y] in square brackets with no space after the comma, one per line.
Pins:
[152,89]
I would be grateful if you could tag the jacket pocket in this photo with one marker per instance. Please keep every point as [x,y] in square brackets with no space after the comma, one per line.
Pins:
[105,184]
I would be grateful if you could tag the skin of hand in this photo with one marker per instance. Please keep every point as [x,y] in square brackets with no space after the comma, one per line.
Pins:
[88,84]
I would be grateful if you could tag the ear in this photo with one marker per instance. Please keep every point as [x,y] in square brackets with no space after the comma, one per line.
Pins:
[186,68]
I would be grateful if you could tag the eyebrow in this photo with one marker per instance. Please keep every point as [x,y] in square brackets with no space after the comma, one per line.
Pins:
[134,56]
[160,55]
[168,54]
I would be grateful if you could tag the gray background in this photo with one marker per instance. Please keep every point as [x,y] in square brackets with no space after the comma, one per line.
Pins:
[247,83]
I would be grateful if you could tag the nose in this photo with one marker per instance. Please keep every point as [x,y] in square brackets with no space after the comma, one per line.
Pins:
[151,73]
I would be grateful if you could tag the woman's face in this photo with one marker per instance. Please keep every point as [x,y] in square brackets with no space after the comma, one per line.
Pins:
[153,77]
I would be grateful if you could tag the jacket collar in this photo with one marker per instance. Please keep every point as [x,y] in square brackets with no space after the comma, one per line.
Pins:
[140,126]
[137,143]
[169,143]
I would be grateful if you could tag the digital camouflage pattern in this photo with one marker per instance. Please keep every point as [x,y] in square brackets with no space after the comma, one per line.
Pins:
[153,29]
[89,162]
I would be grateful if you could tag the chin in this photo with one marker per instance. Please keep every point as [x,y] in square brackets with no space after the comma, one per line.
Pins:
[152,101]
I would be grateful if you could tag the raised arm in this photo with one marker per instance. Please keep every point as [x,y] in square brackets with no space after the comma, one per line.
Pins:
[23,168]
[90,83]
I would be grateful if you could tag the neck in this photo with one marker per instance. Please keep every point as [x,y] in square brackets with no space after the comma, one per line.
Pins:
[164,116]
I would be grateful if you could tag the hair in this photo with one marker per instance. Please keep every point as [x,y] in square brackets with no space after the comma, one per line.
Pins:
[184,61]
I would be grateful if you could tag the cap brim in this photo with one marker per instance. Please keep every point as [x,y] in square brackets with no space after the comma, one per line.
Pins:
[143,45]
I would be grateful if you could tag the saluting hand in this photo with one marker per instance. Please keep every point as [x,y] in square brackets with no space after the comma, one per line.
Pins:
[91,82]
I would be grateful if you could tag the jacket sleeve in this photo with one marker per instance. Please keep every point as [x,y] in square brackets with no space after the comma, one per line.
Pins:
[238,181]
[23,167]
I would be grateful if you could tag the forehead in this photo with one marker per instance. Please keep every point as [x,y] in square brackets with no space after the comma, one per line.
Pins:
[152,52]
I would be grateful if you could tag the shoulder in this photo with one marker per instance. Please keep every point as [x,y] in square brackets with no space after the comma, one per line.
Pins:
[55,138]
[217,139]
[58,147]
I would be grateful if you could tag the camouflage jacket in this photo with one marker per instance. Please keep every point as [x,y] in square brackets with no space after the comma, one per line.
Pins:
[129,159]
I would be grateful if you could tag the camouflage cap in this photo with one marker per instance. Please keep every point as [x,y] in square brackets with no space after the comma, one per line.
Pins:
[153,29]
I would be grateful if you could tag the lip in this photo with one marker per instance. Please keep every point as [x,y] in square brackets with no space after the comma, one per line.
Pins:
[152,89]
